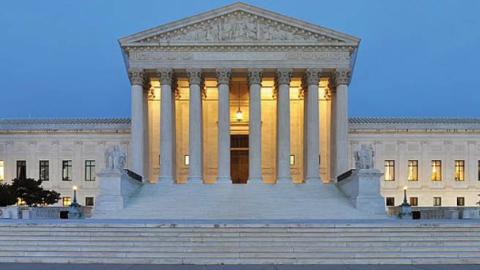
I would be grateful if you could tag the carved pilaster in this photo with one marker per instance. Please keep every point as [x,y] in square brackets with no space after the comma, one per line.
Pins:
[165,75]
[136,76]
[255,76]
[176,89]
[342,76]
[284,76]
[223,76]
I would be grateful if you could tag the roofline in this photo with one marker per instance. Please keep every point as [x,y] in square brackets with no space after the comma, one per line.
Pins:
[233,7]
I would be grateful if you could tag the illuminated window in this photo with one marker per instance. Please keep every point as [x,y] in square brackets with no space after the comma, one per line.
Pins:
[459,170]
[389,170]
[292,160]
[186,160]
[44,173]
[413,201]
[460,201]
[89,201]
[436,170]
[413,170]
[21,169]
[2,171]
[437,201]
[67,170]
[89,170]
[67,201]
[390,201]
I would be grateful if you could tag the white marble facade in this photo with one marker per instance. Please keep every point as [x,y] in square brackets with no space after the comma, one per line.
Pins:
[290,80]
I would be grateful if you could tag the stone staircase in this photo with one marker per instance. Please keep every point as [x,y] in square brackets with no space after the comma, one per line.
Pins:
[310,242]
[313,200]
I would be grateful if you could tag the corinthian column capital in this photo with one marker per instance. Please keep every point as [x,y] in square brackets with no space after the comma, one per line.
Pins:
[342,76]
[311,77]
[195,76]
[284,76]
[255,76]
[223,76]
[136,76]
[165,75]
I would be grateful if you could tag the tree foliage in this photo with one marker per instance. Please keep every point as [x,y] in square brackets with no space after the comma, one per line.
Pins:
[7,196]
[32,193]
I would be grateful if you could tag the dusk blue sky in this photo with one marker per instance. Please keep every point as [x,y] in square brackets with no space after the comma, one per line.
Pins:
[416,58]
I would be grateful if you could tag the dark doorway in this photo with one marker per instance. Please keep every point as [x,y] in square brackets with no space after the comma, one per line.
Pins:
[239,159]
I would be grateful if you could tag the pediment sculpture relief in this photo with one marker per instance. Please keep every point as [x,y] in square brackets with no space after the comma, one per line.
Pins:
[240,27]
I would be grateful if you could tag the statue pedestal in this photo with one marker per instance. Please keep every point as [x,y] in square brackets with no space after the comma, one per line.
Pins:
[116,187]
[362,188]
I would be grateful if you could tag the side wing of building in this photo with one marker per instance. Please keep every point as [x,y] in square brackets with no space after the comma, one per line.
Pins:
[438,160]
[62,152]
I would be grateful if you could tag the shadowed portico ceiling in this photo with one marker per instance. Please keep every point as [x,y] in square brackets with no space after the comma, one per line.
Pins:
[239,24]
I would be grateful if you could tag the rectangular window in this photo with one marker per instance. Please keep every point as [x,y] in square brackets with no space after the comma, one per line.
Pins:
[67,201]
[2,171]
[21,169]
[459,170]
[437,201]
[186,160]
[436,170]
[44,172]
[390,201]
[479,170]
[67,170]
[292,160]
[89,170]
[460,201]
[413,170]
[389,170]
[413,201]
[89,201]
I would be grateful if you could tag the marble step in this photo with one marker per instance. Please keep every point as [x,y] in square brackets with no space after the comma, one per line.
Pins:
[233,249]
[222,254]
[237,239]
[239,234]
[153,244]
[273,260]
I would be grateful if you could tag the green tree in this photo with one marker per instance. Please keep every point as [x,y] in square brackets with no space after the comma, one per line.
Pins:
[32,193]
[7,196]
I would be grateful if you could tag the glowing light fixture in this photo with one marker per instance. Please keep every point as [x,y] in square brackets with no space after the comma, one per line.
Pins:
[239,115]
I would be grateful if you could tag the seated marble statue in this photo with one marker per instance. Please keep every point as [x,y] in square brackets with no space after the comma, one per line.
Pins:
[115,158]
[364,157]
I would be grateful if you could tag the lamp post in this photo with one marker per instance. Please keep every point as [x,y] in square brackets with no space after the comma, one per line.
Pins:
[405,208]
[74,210]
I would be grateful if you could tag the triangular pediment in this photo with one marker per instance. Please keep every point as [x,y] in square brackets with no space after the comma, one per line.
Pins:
[239,24]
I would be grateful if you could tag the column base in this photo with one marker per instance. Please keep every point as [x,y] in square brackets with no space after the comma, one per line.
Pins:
[166,179]
[284,179]
[312,179]
[195,179]
[255,180]
[224,179]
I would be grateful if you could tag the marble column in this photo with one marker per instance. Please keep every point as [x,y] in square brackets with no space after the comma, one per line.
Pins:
[137,140]
[312,121]
[195,125]
[255,126]
[166,127]
[223,84]
[341,79]
[283,124]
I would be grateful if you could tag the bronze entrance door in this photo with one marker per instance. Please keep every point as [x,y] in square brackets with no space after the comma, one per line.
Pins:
[239,159]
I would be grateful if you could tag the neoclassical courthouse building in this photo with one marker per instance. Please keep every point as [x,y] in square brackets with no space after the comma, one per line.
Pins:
[240,94]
